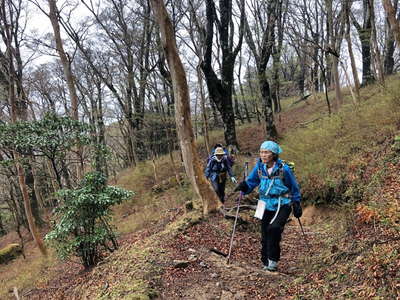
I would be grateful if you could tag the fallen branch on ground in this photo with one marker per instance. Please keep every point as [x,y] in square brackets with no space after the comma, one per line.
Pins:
[242,207]
[309,122]
[301,99]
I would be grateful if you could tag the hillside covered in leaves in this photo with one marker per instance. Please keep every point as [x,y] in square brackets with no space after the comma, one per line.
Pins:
[348,167]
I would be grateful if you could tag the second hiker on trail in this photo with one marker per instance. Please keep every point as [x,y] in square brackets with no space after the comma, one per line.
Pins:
[216,169]
[279,192]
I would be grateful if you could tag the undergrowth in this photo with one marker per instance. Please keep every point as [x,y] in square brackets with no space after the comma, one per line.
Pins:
[330,153]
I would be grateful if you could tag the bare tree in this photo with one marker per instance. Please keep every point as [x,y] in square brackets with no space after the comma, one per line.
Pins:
[220,89]
[262,53]
[10,17]
[182,110]
[350,49]
[69,77]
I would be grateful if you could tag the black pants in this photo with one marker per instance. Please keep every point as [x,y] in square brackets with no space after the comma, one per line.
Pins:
[219,187]
[271,234]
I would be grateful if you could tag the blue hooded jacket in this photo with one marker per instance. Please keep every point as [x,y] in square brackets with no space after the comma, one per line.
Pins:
[215,167]
[272,187]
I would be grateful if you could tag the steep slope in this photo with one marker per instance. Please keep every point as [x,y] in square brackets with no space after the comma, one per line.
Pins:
[348,163]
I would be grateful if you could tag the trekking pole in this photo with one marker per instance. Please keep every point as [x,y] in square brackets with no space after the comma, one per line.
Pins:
[246,166]
[304,236]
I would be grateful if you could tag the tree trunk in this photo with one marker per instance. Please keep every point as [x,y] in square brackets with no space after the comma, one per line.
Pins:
[2,230]
[237,110]
[153,163]
[377,55]
[364,33]
[351,53]
[203,109]
[244,100]
[394,23]
[388,60]
[190,156]
[30,182]
[333,42]
[262,54]
[254,98]
[270,128]
[21,176]
[66,63]
[18,111]
[220,89]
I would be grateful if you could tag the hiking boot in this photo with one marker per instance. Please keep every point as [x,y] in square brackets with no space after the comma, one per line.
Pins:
[272,266]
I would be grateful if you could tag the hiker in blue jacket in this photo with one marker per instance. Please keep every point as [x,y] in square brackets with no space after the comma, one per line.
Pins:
[216,170]
[230,157]
[280,193]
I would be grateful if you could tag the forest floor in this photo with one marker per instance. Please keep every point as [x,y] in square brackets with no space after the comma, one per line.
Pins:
[346,254]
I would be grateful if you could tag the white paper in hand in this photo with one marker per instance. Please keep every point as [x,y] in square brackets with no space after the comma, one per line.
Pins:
[260,210]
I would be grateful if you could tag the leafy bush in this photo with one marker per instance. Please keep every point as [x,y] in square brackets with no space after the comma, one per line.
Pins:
[52,136]
[83,228]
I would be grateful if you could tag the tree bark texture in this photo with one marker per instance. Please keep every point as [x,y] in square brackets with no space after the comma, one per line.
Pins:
[220,90]
[190,156]
[351,53]
[203,109]
[262,55]
[364,33]
[393,21]
[66,63]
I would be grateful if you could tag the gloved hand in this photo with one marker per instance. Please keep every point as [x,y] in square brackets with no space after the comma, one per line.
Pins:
[297,211]
[241,187]
[233,179]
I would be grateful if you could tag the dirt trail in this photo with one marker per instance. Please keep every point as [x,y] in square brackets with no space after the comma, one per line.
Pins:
[208,276]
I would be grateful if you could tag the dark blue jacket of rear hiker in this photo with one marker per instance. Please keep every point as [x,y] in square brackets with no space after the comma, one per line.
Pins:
[280,184]
[216,172]
[214,168]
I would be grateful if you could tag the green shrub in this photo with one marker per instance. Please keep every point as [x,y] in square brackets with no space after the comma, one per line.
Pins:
[83,228]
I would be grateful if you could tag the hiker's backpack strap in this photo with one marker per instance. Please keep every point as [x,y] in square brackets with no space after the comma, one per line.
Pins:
[280,174]
[260,174]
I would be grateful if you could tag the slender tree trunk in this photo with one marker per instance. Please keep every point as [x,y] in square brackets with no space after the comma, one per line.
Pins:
[171,155]
[18,111]
[190,156]
[66,63]
[353,96]
[203,109]
[244,100]
[2,230]
[270,128]
[21,175]
[54,178]
[389,50]
[254,98]
[262,54]
[153,162]
[217,122]
[377,54]
[30,182]
[394,23]
[237,110]
[334,57]
[364,33]
[351,53]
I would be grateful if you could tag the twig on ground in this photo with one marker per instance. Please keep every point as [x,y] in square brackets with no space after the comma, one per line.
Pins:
[15,291]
